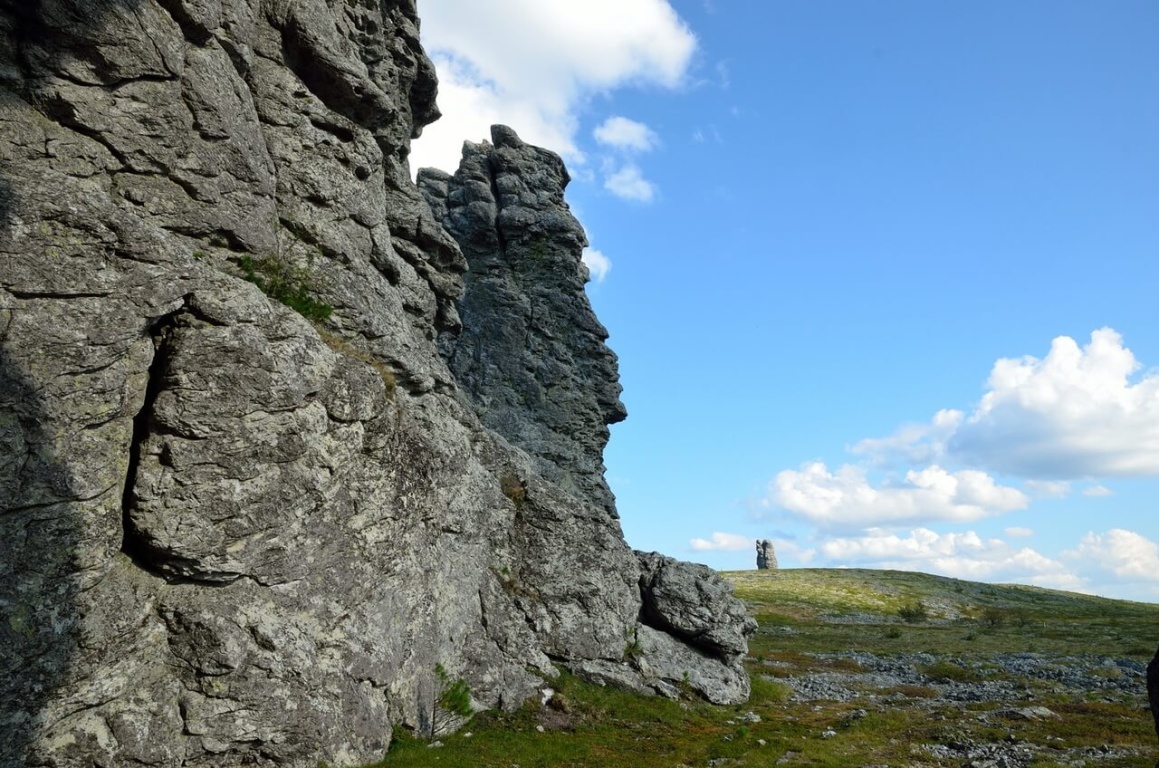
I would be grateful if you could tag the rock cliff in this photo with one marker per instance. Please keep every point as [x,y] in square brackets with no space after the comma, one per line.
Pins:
[236,533]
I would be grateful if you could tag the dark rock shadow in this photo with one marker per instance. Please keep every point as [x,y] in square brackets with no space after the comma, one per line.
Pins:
[6,202]
[39,523]
[38,542]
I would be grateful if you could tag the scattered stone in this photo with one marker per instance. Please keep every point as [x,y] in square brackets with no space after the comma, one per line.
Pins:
[1030,713]
[1153,689]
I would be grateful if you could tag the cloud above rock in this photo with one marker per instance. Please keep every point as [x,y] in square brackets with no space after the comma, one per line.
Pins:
[1079,412]
[847,498]
[533,65]
[722,542]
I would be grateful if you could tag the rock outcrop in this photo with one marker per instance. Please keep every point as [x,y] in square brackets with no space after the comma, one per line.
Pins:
[231,535]
[531,356]
[766,555]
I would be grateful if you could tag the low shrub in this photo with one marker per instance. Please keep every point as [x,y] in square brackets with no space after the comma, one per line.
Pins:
[913,612]
[291,284]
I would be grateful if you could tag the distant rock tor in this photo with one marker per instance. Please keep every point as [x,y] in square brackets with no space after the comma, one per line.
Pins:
[231,535]
[766,556]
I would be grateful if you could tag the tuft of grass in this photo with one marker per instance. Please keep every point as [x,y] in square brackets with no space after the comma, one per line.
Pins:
[948,672]
[514,489]
[344,347]
[455,695]
[285,281]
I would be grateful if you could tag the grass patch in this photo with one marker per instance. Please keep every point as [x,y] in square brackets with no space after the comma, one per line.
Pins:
[344,347]
[948,672]
[290,283]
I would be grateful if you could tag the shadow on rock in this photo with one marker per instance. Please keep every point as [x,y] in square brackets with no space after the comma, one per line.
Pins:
[38,538]
[39,525]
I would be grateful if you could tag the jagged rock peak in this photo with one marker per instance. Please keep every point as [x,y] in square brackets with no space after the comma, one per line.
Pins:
[531,357]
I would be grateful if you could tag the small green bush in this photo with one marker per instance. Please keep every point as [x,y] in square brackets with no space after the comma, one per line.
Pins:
[289,283]
[913,612]
[994,617]
[454,695]
[633,649]
[948,672]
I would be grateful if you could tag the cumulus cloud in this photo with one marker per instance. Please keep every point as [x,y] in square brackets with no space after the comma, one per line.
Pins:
[1098,491]
[1125,554]
[1018,532]
[722,542]
[1073,414]
[532,64]
[1048,489]
[847,498]
[963,555]
[1076,413]
[629,183]
[598,264]
[627,135]
[912,443]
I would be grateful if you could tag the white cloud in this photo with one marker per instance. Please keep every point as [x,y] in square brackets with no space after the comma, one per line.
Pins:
[912,443]
[1125,554]
[722,542]
[1098,491]
[1073,414]
[1018,532]
[629,183]
[790,552]
[1048,489]
[598,264]
[624,134]
[848,499]
[533,64]
[960,555]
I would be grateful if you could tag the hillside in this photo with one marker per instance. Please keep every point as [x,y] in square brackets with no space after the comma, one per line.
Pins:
[995,675]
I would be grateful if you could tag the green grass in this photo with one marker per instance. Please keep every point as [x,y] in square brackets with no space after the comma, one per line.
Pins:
[809,621]
[285,281]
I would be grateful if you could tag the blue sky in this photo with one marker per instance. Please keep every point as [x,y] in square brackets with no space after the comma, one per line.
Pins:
[881,276]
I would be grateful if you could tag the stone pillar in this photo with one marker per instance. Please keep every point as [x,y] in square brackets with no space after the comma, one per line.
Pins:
[766,557]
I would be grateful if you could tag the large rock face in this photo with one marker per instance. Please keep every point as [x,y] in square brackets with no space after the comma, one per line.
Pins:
[230,535]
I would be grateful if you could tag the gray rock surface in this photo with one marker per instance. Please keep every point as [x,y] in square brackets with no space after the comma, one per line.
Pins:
[766,555]
[531,356]
[228,535]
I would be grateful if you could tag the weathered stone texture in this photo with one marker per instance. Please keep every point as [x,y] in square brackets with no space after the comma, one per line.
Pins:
[766,555]
[531,356]
[229,536]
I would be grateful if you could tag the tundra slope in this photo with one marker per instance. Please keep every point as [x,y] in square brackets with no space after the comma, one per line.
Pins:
[229,536]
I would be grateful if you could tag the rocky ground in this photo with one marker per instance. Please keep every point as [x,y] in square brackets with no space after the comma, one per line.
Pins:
[1003,693]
